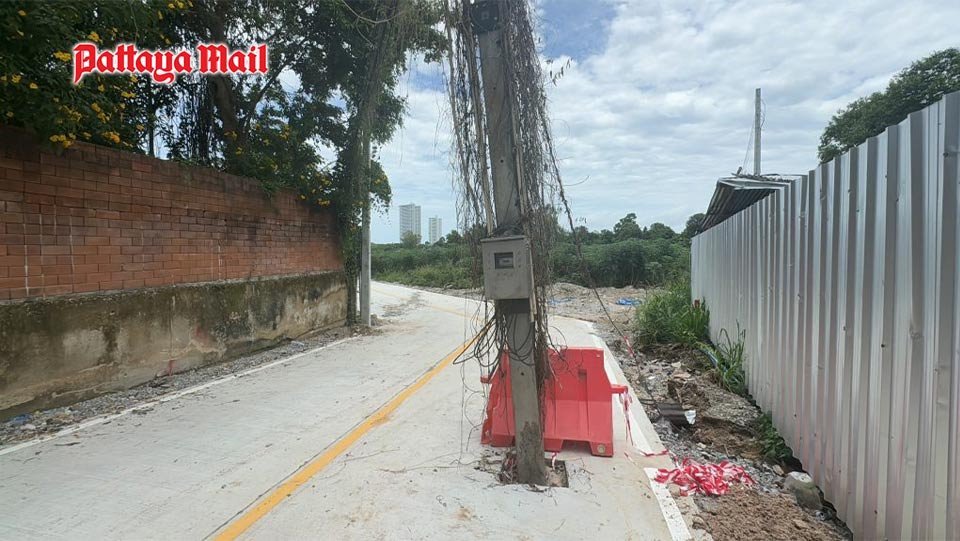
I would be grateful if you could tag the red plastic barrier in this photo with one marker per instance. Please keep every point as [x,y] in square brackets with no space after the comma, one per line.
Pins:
[577,403]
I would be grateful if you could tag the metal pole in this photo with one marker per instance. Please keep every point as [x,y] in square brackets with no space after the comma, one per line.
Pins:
[516,313]
[365,241]
[756,134]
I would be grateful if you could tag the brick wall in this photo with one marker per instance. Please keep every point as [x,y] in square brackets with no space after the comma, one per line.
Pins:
[94,219]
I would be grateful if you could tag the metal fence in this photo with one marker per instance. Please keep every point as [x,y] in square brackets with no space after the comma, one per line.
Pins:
[845,282]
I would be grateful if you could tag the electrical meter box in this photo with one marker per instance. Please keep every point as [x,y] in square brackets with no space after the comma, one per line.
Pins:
[507,272]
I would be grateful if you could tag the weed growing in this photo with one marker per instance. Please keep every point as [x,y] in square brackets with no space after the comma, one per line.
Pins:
[772,444]
[727,357]
[668,317]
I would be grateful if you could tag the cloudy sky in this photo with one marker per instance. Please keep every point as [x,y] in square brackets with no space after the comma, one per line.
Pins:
[657,101]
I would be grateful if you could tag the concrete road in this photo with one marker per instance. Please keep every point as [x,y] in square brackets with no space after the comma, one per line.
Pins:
[374,437]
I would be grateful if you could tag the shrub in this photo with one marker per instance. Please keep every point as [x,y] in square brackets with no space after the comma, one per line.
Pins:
[727,357]
[668,317]
[441,275]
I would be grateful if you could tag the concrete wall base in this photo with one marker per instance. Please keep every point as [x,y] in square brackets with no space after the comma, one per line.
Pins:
[60,350]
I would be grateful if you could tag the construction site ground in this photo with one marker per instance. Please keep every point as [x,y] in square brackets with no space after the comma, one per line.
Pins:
[365,436]
[726,429]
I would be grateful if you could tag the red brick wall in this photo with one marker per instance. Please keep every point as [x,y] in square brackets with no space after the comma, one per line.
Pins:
[96,219]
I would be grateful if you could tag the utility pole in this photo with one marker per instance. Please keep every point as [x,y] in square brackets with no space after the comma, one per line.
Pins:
[486,17]
[366,116]
[365,238]
[756,134]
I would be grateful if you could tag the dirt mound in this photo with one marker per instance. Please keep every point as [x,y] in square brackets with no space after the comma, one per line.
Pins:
[728,437]
[566,288]
[747,514]
[571,300]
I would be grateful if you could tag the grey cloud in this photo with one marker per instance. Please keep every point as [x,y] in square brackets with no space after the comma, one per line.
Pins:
[666,107]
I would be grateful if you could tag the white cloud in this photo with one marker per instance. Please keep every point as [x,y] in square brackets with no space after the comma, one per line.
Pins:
[666,105]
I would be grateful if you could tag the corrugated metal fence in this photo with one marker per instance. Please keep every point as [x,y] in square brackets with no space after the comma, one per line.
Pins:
[846,285]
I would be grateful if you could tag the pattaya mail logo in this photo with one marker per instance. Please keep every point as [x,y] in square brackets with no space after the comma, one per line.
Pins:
[164,66]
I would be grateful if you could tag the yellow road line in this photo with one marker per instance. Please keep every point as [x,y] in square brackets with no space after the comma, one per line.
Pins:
[301,476]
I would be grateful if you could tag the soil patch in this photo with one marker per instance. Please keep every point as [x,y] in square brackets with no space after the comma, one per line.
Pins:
[728,437]
[503,465]
[725,429]
[556,471]
[747,514]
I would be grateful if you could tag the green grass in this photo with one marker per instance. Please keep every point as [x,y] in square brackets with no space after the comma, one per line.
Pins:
[669,317]
[440,275]
[727,357]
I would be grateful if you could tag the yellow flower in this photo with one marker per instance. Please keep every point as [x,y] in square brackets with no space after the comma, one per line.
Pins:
[86,135]
[95,107]
[22,13]
[170,5]
[101,88]
[66,144]
[15,78]
[140,127]
[62,56]
[94,36]
[33,86]
[126,94]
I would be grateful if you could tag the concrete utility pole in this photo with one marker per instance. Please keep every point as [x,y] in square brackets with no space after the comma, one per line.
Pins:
[485,16]
[365,239]
[756,134]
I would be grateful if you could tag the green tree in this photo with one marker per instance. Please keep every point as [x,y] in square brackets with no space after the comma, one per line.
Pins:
[581,233]
[454,237]
[627,228]
[914,88]
[693,225]
[659,231]
[269,127]
[410,239]
[36,79]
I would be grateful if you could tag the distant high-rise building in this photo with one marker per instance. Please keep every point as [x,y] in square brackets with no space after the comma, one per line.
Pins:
[436,229]
[410,220]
